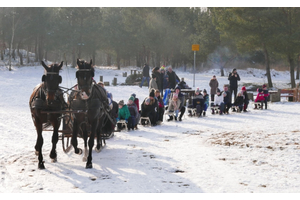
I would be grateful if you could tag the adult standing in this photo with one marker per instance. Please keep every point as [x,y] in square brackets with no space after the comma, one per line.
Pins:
[146,75]
[173,78]
[213,84]
[233,82]
[153,84]
[157,74]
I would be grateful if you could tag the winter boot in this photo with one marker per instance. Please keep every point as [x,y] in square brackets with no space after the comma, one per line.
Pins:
[204,114]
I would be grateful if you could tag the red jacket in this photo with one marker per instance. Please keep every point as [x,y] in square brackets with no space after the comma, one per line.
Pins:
[260,97]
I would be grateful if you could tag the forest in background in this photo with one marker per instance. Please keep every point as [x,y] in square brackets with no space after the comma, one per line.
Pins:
[132,36]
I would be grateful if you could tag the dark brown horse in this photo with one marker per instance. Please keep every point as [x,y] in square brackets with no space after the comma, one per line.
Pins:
[91,100]
[47,97]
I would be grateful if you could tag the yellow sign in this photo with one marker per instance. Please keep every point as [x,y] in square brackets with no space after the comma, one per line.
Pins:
[195,47]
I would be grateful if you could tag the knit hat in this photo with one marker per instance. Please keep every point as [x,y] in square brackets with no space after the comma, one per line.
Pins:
[121,102]
[152,93]
[218,90]
[244,88]
[147,100]
[233,70]
[204,91]
[197,90]
[162,67]
[264,86]
[131,98]
[133,95]
[260,90]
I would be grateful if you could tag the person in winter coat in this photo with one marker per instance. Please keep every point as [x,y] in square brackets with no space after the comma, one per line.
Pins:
[153,83]
[198,102]
[182,100]
[149,108]
[161,107]
[134,114]
[173,78]
[239,101]
[156,72]
[233,78]
[162,78]
[206,101]
[136,101]
[266,92]
[124,114]
[227,99]
[260,98]
[146,75]
[246,99]
[213,84]
[174,106]
[219,101]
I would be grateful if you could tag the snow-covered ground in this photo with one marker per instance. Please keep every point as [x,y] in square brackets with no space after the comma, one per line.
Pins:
[257,151]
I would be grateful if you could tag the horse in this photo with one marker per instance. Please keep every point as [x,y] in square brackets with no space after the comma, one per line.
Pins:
[91,99]
[47,97]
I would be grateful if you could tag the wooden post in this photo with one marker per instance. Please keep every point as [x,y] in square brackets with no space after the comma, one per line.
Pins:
[101,78]
[115,82]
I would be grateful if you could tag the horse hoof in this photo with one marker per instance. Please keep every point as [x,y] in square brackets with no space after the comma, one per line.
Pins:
[89,166]
[54,160]
[78,151]
[41,165]
[84,159]
[98,150]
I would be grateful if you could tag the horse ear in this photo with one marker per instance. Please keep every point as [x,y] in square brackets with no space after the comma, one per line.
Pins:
[45,66]
[61,64]
[43,78]
[59,79]
[91,62]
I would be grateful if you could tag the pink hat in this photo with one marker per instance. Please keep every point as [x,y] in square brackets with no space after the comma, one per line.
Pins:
[244,88]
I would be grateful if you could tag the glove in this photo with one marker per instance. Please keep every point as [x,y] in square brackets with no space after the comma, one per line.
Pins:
[118,119]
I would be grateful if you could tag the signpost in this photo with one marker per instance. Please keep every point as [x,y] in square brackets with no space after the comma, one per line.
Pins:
[195,47]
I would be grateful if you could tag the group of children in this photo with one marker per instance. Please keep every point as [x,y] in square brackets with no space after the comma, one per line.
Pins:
[262,97]
[154,106]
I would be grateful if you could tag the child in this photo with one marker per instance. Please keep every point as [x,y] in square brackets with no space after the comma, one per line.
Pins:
[266,92]
[206,101]
[161,107]
[136,101]
[124,114]
[219,101]
[198,102]
[246,99]
[174,105]
[260,98]
[134,114]
[239,101]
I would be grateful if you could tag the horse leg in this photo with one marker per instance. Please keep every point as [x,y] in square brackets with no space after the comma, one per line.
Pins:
[39,145]
[94,126]
[85,137]
[53,154]
[99,138]
[74,138]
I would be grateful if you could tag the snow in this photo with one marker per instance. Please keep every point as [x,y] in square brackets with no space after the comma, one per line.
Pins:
[253,152]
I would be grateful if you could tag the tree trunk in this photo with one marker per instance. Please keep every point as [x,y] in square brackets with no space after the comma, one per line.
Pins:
[292,71]
[222,70]
[108,59]
[118,61]
[267,60]
[298,67]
